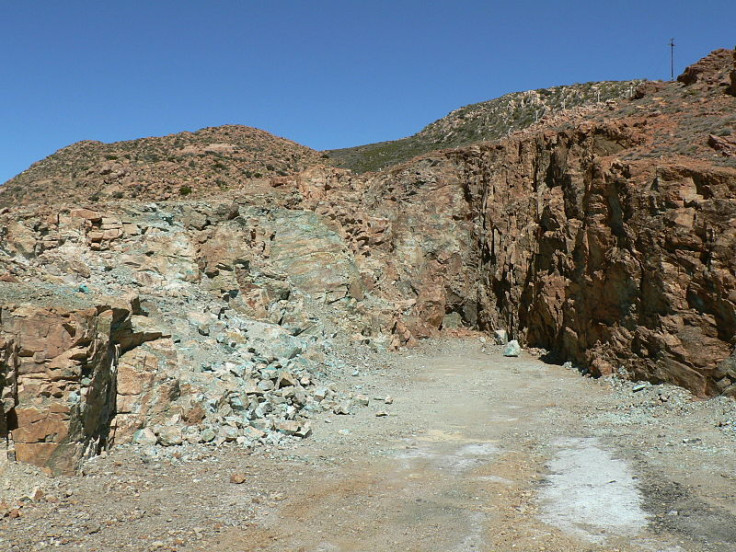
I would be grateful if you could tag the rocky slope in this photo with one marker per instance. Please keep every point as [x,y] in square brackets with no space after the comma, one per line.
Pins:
[483,122]
[167,167]
[604,235]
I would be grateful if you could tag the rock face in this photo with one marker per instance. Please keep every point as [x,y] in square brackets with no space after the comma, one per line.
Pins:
[211,340]
[58,372]
[605,235]
[609,263]
[714,69]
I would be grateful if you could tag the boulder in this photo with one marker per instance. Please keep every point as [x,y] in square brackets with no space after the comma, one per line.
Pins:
[512,349]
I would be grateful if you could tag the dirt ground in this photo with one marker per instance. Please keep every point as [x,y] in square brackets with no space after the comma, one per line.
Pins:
[476,452]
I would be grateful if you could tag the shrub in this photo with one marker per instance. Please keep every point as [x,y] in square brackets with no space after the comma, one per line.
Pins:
[185,190]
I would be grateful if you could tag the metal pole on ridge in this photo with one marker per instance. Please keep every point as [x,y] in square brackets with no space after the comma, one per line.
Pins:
[672,59]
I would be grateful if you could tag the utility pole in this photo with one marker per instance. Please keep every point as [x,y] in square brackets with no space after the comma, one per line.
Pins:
[672,59]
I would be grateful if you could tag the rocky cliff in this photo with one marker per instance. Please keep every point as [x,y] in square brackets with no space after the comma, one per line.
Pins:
[604,235]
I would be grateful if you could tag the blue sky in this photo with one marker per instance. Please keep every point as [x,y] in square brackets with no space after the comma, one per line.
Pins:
[324,73]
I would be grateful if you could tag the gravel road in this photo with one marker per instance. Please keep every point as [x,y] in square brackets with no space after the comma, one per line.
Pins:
[472,451]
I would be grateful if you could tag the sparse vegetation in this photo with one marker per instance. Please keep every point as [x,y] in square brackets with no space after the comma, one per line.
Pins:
[480,122]
[189,157]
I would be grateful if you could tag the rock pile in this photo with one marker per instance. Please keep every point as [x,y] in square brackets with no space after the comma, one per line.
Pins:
[222,334]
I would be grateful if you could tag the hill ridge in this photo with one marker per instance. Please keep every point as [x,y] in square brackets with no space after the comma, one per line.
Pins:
[482,122]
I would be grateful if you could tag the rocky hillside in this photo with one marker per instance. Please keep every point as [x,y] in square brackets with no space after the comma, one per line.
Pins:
[483,122]
[209,160]
[603,235]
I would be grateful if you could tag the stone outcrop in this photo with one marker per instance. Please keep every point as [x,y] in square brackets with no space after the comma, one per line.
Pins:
[215,344]
[621,267]
[58,372]
[712,70]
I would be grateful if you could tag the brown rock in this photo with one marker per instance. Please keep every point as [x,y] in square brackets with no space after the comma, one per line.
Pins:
[194,415]
[238,478]
[713,69]
[726,145]
[87,214]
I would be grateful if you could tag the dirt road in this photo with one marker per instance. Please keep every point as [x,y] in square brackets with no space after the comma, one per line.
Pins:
[477,453]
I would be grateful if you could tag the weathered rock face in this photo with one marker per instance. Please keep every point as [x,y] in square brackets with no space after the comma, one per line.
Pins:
[58,372]
[215,343]
[618,266]
[607,263]
[714,69]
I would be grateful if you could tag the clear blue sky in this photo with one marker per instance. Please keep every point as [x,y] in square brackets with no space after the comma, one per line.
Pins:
[325,73]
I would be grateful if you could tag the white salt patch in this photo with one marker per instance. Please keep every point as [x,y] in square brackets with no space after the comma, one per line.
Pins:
[591,494]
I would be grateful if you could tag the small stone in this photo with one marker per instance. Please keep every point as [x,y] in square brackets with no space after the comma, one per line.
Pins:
[237,370]
[237,478]
[253,433]
[362,400]
[266,385]
[170,436]
[388,400]
[638,387]
[500,337]
[341,408]
[145,437]
[381,414]
[207,435]
[286,379]
[321,394]
[287,427]
[512,349]
[228,433]
[304,431]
